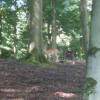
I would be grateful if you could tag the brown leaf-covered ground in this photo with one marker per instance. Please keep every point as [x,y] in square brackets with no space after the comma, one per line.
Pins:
[23,82]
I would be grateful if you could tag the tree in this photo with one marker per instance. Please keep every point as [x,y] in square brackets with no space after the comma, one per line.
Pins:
[35,47]
[36,26]
[15,25]
[47,19]
[13,28]
[52,9]
[18,18]
[0,26]
[54,32]
[93,66]
[84,21]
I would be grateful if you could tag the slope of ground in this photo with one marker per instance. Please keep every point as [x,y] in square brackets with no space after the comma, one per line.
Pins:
[21,82]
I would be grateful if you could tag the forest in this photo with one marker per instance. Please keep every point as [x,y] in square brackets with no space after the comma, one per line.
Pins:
[49,49]
[54,25]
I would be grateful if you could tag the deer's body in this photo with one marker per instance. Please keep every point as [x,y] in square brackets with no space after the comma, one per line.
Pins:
[52,53]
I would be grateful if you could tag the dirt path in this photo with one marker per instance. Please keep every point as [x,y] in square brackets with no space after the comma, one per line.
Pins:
[21,82]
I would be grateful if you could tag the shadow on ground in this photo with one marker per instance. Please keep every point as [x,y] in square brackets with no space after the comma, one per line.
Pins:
[22,82]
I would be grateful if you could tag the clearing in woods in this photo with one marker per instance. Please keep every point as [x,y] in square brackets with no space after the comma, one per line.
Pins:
[22,82]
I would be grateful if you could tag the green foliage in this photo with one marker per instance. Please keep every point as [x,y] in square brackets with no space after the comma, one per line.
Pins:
[70,19]
[16,15]
[76,46]
[60,57]
[89,87]
[92,51]
[6,52]
[67,19]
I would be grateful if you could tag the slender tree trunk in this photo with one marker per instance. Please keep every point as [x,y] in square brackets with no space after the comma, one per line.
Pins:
[84,21]
[15,30]
[0,28]
[54,25]
[0,31]
[94,61]
[49,36]
[29,19]
[36,26]
[15,40]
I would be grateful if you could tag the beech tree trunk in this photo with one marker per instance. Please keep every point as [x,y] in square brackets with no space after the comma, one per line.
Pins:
[94,61]
[36,26]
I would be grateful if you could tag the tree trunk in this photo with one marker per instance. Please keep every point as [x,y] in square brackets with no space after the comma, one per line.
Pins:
[49,36]
[14,49]
[36,26]
[54,25]
[35,46]
[15,30]
[84,21]
[94,61]
[0,31]
[0,27]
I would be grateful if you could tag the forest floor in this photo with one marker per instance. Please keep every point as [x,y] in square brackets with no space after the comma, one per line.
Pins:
[22,82]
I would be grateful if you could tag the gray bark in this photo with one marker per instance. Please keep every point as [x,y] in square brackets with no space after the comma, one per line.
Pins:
[94,61]
[84,21]
[36,26]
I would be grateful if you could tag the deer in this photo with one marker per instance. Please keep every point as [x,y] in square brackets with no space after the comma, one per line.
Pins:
[52,54]
[70,53]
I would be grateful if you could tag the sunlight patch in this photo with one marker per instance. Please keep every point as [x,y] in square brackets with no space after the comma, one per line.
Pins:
[10,90]
[65,95]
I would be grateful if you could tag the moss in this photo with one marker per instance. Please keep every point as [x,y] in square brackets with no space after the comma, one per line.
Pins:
[49,64]
[35,58]
[92,51]
[89,86]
